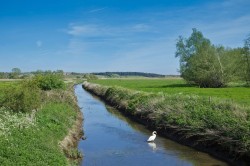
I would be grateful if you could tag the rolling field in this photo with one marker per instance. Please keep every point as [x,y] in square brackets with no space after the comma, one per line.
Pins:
[234,93]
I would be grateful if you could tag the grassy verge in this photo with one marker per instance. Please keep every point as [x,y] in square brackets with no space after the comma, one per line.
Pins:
[43,137]
[233,93]
[206,123]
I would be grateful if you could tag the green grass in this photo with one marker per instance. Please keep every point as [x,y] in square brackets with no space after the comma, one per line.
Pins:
[4,84]
[37,144]
[234,93]
[33,139]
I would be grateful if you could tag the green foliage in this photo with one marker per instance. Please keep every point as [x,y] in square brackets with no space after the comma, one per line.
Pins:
[199,62]
[90,77]
[247,59]
[15,73]
[38,132]
[3,75]
[49,81]
[24,97]
[37,144]
[232,61]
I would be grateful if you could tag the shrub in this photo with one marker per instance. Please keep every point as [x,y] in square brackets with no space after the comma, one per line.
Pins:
[49,81]
[22,98]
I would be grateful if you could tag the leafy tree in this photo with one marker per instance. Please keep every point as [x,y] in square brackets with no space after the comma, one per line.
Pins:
[60,72]
[247,59]
[199,61]
[2,75]
[15,73]
[232,63]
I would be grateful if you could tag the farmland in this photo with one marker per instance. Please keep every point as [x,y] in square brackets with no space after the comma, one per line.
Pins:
[233,93]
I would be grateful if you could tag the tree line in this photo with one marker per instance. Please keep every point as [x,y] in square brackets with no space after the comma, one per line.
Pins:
[117,74]
[207,65]
[16,73]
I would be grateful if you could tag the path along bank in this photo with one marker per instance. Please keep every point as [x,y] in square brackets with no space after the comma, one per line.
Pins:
[218,128]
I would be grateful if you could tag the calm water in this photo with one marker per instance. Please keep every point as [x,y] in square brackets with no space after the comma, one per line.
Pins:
[113,139]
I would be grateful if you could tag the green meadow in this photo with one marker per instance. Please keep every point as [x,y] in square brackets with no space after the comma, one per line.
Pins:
[235,92]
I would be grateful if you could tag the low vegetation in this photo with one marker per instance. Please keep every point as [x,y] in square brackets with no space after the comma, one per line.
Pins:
[235,92]
[219,123]
[34,122]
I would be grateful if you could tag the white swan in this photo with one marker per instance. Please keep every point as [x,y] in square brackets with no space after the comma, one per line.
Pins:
[152,137]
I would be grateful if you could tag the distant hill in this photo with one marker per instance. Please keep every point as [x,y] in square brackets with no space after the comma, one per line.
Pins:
[110,74]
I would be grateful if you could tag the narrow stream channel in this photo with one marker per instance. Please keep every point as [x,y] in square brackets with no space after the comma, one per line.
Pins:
[113,139]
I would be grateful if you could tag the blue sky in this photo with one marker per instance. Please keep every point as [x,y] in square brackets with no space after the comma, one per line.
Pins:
[112,35]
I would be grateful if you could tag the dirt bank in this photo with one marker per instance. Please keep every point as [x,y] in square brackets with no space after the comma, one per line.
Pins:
[69,143]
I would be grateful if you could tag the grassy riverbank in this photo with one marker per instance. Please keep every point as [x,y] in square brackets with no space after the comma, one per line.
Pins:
[38,137]
[235,92]
[205,122]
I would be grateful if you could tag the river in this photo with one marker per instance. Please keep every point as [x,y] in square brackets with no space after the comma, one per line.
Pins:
[112,139]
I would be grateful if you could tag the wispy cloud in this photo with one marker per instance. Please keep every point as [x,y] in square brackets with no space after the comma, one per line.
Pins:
[93,30]
[83,30]
[97,10]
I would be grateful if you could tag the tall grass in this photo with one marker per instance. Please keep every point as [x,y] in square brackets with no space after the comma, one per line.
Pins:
[37,144]
[209,122]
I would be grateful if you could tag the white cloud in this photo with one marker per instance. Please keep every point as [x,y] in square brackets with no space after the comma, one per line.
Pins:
[100,30]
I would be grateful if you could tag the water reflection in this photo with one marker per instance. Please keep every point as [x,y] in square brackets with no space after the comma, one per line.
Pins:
[152,145]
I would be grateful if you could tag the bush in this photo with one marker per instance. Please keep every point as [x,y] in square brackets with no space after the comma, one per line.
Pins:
[49,81]
[22,98]
[90,77]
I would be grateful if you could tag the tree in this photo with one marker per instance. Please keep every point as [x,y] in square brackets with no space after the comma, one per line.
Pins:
[247,59]
[15,73]
[232,61]
[199,61]
[2,75]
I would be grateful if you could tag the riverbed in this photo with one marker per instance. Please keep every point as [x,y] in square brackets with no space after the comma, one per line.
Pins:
[113,139]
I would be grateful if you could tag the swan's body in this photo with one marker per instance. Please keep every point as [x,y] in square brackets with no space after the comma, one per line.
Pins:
[152,137]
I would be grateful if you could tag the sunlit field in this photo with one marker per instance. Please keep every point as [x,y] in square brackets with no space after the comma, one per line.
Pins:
[232,93]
